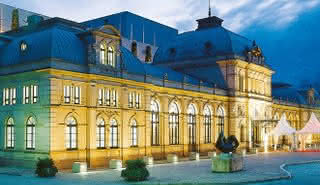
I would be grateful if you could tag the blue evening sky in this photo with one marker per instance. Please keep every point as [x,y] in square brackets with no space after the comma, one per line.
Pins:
[287,30]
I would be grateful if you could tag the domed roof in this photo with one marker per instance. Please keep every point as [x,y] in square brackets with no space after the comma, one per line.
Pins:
[53,42]
[133,65]
[211,42]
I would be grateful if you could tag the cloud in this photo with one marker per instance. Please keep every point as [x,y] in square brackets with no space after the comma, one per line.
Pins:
[238,14]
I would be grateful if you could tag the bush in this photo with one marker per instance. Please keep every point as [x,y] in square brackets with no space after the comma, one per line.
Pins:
[136,171]
[46,168]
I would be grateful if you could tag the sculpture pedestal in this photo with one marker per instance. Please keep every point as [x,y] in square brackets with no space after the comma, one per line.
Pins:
[227,163]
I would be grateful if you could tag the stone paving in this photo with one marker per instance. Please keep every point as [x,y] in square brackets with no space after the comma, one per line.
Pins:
[257,168]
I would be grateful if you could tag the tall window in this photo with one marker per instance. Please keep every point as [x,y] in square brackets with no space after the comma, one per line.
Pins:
[103,59]
[114,134]
[67,92]
[192,124]
[134,133]
[77,95]
[105,96]
[71,133]
[241,83]
[134,100]
[110,55]
[10,136]
[30,94]
[134,48]
[207,124]
[114,97]
[34,93]
[155,131]
[72,94]
[148,54]
[101,127]
[220,123]
[9,96]
[173,124]
[31,134]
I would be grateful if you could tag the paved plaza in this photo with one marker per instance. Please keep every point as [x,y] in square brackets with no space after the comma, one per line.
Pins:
[257,168]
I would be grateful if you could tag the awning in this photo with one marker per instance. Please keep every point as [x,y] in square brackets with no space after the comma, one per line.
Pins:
[312,126]
[283,128]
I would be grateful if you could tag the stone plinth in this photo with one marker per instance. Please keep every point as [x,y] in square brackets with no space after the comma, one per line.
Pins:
[172,158]
[194,156]
[115,164]
[244,152]
[212,154]
[227,163]
[79,167]
[148,160]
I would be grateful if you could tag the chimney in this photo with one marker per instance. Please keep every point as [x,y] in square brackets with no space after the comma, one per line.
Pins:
[34,20]
[209,22]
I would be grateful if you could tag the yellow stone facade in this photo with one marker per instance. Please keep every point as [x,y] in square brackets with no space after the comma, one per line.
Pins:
[237,115]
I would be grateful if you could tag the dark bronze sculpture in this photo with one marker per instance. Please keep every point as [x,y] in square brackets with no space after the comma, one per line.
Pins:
[227,145]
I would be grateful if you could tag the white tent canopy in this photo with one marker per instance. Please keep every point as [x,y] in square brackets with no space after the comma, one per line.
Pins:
[283,128]
[311,127]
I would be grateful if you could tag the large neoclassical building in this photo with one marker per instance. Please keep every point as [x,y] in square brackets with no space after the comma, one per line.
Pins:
[124,87]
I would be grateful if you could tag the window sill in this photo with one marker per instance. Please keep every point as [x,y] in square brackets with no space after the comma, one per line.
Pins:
[72,149]
[134,146]
[101,148]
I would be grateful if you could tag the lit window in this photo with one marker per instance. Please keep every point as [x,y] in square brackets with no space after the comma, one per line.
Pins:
[114,134]
[103,54]
[100,99]
[134,100]
[10,135]
[148,54]
[220,123]
[72,93]
[23,46]
[66,93]
[114,98]
[9,96]
[26,94]
[71,133]
[77,95]
[155,131]
[134,140]
[192,124]
[110,56]
[173,124]
[34,90]
[108,97]
[134,49]
[31,134]
[207,124]
[100,133]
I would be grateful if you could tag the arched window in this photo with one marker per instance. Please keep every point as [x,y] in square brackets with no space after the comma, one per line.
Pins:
[134,133]
[114,134]
[101,131]
[220,123]
[192,124]
[134,48]
[103,59]
[10,137]
[110,55]
[31,134]
[207,124]
[173,124]
[148,54]
[71,133]
[155,131]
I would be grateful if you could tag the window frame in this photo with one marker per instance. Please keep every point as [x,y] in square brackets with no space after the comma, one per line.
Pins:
[114,134]
[31,126]
[10,134]
[101,133]
[134,134]
[71,130]
[174,125]
[155,124]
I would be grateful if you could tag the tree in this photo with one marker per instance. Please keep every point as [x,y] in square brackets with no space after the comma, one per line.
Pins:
[15,19]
